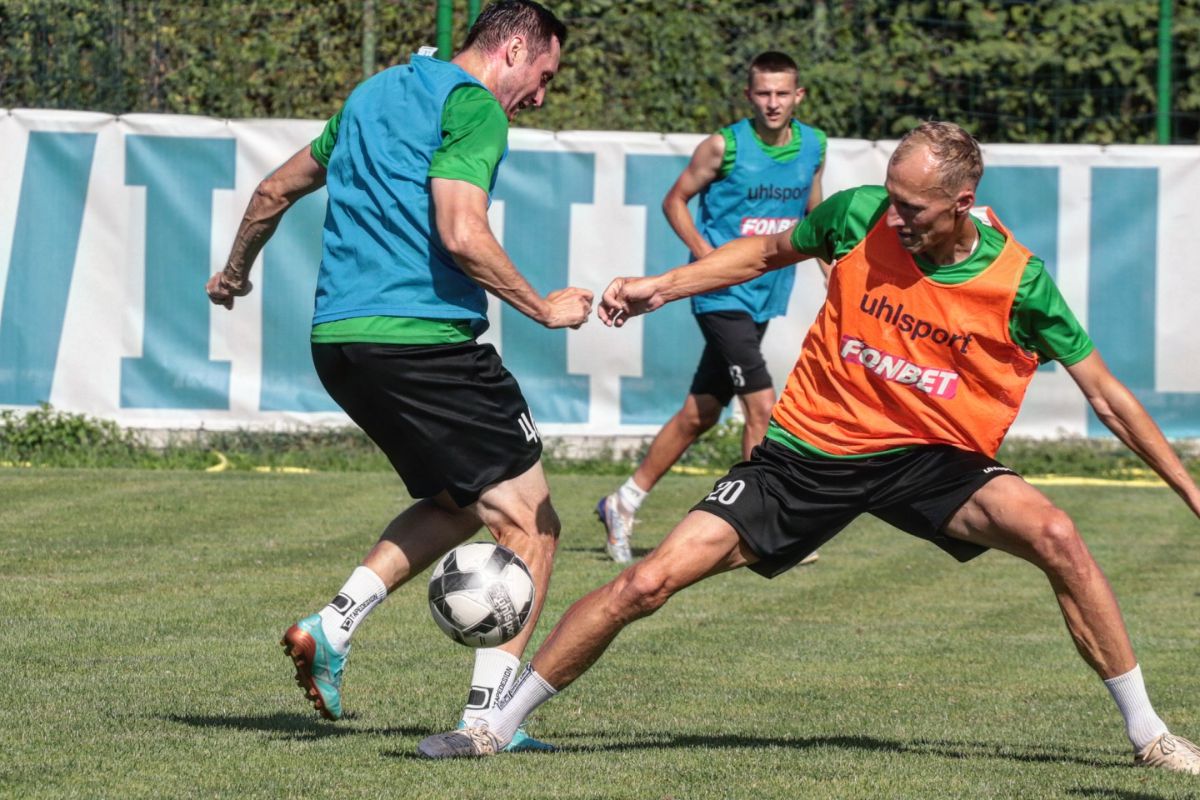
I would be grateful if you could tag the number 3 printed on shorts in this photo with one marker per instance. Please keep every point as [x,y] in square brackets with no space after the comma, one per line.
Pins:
[727,492]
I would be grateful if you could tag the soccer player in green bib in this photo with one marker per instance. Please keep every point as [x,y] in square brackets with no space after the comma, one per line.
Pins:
[408,257]
[758,176]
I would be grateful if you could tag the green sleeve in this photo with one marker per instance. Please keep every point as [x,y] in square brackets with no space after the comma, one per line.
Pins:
[1043,323]
[474,137]
[730,155]
[824,140]
[834,227]
[322,146]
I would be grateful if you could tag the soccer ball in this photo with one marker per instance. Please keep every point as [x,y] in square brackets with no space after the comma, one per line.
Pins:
[481,594]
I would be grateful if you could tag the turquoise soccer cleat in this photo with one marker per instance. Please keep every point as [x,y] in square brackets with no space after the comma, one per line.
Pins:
[319,667]
[521,742]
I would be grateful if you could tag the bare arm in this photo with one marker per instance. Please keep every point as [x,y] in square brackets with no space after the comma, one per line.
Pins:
[815,197]
[298,176]
[460,212]
[1121,412]
[735,262]
[695,178]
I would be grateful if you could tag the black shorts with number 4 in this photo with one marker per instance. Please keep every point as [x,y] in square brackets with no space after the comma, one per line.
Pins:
[785,505]
[449,417]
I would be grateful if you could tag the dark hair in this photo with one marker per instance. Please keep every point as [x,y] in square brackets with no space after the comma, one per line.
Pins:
[504,19]
[959,159]
[772,61]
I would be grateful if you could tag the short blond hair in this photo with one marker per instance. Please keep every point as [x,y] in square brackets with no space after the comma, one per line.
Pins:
[959,160]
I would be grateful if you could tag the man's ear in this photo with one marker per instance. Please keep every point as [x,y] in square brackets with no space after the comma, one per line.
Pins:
[514,49]
[800,93]
[964,202]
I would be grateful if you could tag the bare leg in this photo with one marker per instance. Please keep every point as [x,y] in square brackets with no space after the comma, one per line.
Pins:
[419,536]
[700,546]
[1010,515]
[757,408]
[699,413]
[519,515]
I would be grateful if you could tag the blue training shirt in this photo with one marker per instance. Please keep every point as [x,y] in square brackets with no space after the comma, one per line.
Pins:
[382,255]
[759,196]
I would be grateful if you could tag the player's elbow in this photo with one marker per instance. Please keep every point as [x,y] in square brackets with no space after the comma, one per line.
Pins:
[674,202]
[457,233]
[270,198]
[1104,409]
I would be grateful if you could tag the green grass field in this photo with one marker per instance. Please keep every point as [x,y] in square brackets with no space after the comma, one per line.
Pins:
[142,612]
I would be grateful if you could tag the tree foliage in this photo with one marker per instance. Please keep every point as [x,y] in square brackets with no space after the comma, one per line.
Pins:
[1010,70]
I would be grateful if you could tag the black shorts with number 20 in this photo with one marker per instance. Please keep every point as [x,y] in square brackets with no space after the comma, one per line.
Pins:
[449,417]
[785,505]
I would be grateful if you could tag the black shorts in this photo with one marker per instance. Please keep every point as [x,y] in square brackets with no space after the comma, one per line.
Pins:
[732,361]
[785,505]
[449,417]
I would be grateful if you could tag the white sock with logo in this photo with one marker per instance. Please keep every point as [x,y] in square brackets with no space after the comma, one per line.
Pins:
[630,497]
[530,691]
[493,676]
[363,591]
[1142,725]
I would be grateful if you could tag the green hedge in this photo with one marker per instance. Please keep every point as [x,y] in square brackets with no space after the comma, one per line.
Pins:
[1037,71]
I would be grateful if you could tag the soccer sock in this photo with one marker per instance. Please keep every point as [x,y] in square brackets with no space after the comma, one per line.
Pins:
[630,496]
[529,692]
[490,681]
[1142,725]
[363,591]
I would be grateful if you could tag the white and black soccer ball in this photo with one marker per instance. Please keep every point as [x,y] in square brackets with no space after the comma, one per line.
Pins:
[481,594]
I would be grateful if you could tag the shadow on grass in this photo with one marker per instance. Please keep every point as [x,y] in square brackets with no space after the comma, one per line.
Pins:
[927,747]
[1098,793]
[294,727]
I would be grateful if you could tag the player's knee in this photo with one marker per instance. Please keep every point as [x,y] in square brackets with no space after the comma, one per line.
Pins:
[759,409]
[1057,545]
[638,592]
[699,420]
[536,519]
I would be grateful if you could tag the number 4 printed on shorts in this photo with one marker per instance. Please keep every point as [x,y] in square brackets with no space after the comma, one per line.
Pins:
[528,426]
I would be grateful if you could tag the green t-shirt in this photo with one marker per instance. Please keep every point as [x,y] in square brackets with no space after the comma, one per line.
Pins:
[782,153]
[474,138]
[1040,322]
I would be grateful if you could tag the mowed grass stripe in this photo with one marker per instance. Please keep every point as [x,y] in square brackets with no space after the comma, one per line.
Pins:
[143,611]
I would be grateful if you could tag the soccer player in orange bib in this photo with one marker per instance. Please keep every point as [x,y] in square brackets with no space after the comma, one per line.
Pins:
[906,384]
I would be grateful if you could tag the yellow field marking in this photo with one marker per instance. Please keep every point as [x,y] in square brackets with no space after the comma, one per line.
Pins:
[1071,480]
[221,465]
[681,470]
[288,470]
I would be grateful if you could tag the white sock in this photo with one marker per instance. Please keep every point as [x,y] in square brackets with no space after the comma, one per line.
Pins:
[491,680]
[363,591]
[1142,725]
[630,496]
[529,692]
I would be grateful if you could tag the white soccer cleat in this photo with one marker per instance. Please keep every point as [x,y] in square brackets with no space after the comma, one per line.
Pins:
[1170,752]
[617,526]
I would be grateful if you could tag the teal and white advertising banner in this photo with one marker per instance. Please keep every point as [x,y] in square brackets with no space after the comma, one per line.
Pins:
[110,226]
